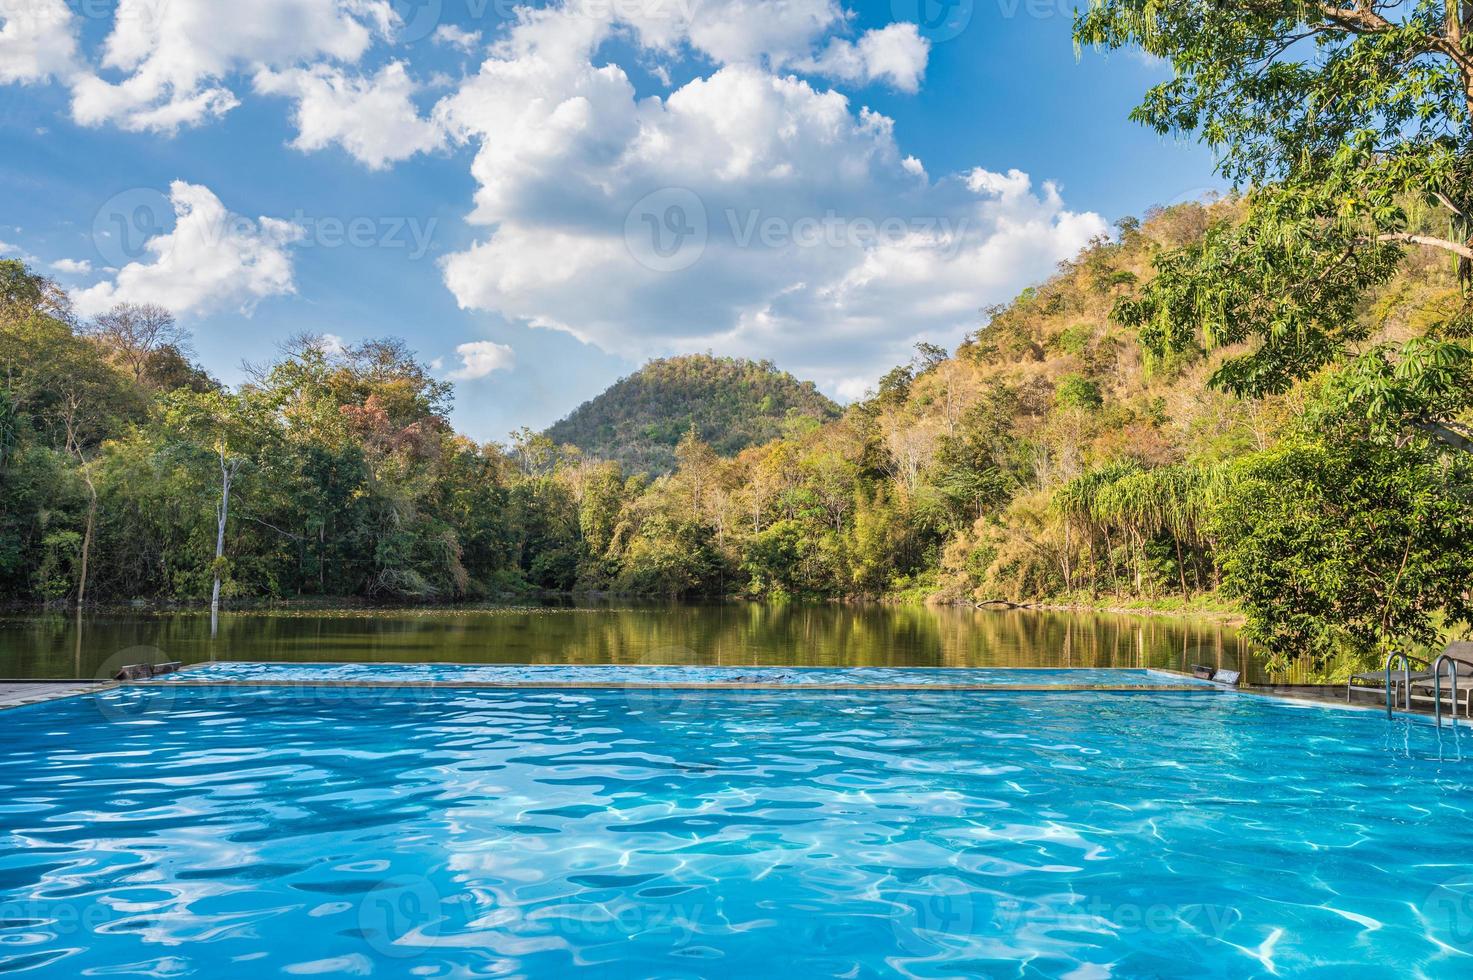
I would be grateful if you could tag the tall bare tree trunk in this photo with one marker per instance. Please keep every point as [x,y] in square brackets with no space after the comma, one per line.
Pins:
[1140,563]
[1110,557]
[1068,571]
[87,535]
[72,407]
[1181,568]
[227,475]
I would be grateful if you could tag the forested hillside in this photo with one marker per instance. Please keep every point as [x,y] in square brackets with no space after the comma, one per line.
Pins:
[1050,457]
[731,403]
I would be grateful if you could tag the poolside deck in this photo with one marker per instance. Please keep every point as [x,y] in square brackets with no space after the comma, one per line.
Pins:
[14,693]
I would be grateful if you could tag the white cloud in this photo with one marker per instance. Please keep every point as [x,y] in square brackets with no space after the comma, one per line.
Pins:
[177,55]
[772,32]
[16,252]
[565,152]
[333,344]
[38,40]
[479,358]
[212,259]
[73,267]
[455,37]
[896,55]
[374,119]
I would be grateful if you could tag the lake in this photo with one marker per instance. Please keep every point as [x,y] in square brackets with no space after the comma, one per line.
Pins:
[730,634]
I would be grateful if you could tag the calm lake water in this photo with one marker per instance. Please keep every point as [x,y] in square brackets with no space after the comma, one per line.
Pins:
[732,634]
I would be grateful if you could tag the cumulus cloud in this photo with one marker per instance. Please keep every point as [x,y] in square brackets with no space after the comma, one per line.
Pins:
[176,56]
[747,211]
[816,239]
[73,267]
[729,32]
[212,259]
[374,119]
[895,55]
[38,40]
[479,358]
[455,37]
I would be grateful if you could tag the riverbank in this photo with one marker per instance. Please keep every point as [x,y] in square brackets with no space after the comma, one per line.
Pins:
[1200,608]
[1206,607]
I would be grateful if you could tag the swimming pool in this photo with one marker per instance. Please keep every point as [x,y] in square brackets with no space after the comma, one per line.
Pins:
[299,831]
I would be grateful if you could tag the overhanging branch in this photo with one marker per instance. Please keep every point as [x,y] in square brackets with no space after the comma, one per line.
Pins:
[1466,251]
[1363,19]
[1447,435]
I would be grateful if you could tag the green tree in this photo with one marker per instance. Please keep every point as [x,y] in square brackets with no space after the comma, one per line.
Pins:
[1076,391]
[1348,548]
[235,429]
[1348,126]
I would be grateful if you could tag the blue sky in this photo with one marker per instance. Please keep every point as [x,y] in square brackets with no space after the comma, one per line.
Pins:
[859,180]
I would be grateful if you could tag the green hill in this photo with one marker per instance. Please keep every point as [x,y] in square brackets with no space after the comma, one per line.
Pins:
[733,403]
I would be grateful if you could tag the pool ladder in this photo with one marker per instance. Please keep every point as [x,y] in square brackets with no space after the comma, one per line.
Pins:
[1406,672]
[1452,669]
[1406,675]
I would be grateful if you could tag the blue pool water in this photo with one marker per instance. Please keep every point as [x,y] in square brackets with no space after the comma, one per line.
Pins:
[256,832]
[490,674]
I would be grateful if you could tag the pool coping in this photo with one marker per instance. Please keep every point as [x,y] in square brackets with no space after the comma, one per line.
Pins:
[79,688]
[64,689]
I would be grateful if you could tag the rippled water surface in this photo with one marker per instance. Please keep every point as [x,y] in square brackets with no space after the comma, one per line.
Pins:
[213,832]
[477,674]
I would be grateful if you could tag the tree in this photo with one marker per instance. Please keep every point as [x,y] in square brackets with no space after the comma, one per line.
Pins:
[1077,391]
[1347,547]
[1348,127]
[71,399]
[232,427]
[24,294]
[136,332]
[912,444]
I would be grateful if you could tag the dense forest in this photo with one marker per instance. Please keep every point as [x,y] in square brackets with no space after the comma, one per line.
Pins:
[730,402]
[1052,456]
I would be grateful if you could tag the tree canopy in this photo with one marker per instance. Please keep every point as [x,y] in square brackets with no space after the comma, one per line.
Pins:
[1348,128]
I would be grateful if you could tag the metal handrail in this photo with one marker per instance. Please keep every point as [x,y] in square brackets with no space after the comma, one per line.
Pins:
[1452,667]
[1406,673]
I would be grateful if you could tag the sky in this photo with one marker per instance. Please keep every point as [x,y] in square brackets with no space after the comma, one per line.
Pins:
[540,197]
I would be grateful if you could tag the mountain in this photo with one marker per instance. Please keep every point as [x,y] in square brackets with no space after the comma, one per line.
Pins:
[733,403]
